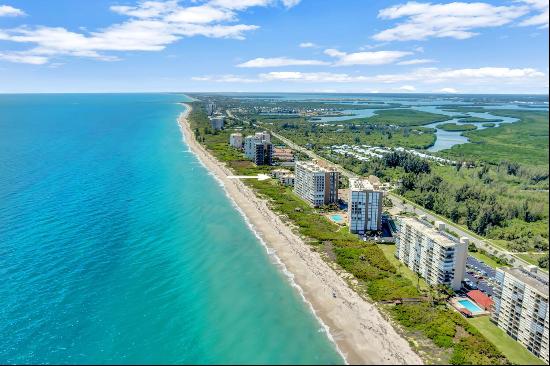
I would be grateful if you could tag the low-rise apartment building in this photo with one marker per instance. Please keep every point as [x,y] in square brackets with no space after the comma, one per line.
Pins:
[315,183]
[521,307]
[431,252]
[287,180]
[283,154]
[364,206]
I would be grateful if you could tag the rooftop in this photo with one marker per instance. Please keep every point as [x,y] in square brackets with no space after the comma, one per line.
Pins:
[538,281]
[358,184]
[314,166]
[437,233]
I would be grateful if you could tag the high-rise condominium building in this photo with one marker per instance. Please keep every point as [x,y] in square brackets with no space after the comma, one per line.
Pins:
[521,307]
[431,252]
[210,109]
[316,184]
[364,206]
[217,122]
[236,140]
[258,148]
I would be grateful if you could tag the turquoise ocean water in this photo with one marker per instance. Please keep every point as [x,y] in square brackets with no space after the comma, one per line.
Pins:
[117,246]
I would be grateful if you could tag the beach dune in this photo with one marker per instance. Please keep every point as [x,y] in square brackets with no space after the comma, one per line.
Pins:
[360,332]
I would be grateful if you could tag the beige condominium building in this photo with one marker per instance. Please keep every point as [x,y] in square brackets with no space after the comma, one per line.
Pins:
[521,307]
[315,183]
[236,140]
[431,252]
[364,206]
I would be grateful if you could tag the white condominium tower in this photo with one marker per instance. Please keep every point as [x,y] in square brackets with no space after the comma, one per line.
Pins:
[521,307]
[217,122]
[316,184]
[364,206]
[431,252]
[236,140]
[258,148]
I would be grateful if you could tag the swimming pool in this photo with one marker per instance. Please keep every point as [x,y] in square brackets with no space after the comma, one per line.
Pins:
[470,305]
[337,218]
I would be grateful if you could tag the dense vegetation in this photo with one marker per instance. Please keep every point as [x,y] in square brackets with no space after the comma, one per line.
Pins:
[507,202]
[405,117]
[376,275]
[456,127]
[479,119]
[503,197]
[524,142]
[489,124]
[320,135]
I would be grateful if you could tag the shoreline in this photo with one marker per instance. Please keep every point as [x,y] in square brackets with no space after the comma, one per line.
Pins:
[361,334]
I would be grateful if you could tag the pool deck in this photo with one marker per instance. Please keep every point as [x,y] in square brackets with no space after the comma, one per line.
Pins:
[342,214]
[455,303]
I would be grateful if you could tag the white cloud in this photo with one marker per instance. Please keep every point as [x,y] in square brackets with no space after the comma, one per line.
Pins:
[203,14]
[244,4]
[448,90]
[22,58]
[454,20]
[407,88]
[541,19]
[291,3]
[146,9]
[279,62]
[306,76]
[307,45]
[416,61]
[152,25]
[501,76]
[10,11]
[229,78]
[365,58]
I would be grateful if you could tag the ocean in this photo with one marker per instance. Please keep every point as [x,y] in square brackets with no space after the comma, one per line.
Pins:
[118,246]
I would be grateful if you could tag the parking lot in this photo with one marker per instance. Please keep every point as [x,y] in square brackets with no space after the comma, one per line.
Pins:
[479,276]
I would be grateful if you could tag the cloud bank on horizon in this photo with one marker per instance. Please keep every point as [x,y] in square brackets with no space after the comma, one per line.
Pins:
[403,39]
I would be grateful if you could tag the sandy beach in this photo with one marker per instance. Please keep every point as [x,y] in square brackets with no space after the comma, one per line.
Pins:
[360,332]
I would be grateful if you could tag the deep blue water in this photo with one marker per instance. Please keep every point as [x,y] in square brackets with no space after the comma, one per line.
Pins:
[117,246]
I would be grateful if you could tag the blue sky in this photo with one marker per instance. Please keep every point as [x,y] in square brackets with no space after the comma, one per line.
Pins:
[274,45]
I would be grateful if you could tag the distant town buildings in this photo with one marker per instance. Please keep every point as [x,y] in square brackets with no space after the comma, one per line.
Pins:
[217,122]
[283,154]
[236,140]
[367,152]
[521,307]
[210,109]
[364,206]
[431,252]
[258,148]
[316,184]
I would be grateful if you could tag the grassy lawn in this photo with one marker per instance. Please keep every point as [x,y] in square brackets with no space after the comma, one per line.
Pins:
[514,351]
[487,260]
[532,258]
[403,270]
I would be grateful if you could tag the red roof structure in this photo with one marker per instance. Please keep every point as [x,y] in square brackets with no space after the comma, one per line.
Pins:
[481,299]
